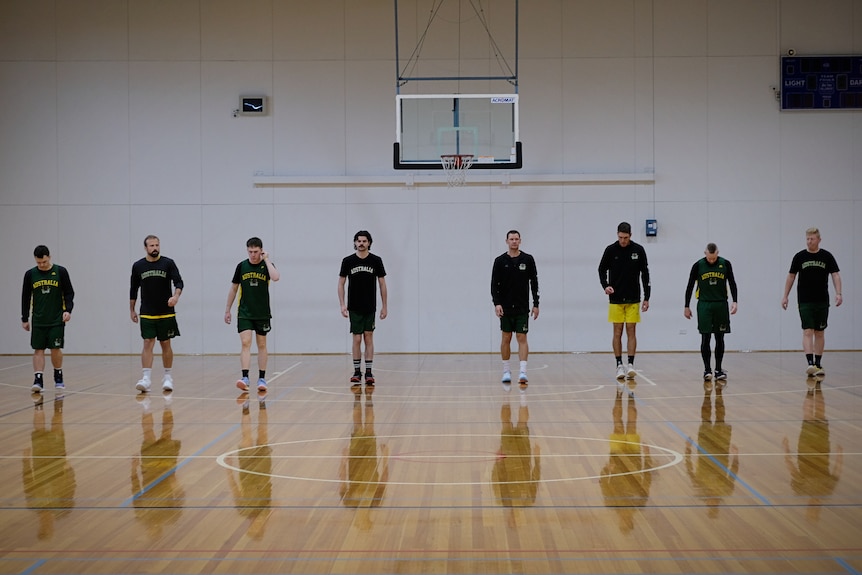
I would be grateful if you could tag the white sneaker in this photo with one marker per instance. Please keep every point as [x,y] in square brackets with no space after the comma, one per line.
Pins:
[621,371]
[168,383]
[630,372]
[522,377]
[811,369]
[143,385]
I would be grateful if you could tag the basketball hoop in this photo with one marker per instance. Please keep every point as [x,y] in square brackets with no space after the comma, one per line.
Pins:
[456,166]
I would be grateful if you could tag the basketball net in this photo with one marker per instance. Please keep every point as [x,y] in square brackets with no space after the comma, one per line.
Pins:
[455,166]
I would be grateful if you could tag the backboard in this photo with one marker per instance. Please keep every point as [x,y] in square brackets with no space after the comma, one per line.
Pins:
[432,125]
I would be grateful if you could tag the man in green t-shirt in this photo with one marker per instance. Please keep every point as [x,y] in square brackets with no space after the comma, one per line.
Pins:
[713,276]
[48,292]
[251,279]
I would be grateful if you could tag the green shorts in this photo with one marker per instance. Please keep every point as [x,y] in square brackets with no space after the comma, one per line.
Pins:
[713,317]
[515,323]
[814,315]
[162,329]
[361,322]
[260,326]
[47,337]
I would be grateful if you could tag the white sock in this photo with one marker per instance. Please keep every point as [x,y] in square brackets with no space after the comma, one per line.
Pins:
[523,365]
[506,365]
[147,373]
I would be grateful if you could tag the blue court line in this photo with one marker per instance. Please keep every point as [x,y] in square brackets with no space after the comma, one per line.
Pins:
[128,502]
[845,565]
[712,458]
[34,566]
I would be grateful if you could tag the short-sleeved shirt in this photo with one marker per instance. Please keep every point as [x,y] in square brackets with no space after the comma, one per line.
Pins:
[812,271]
[253,280]
[50,293]
[362,275]
[154,279]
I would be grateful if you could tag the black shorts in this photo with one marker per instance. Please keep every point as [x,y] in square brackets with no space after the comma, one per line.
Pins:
[361,322]
[48,337]
[814,315]
[260,326]
[162,329]
[713,317]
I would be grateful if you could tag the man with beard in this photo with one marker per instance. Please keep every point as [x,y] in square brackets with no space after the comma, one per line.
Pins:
[153,275]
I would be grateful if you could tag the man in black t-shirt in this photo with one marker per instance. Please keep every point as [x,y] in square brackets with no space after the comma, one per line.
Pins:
[366,272]
[813,266]
[153,275]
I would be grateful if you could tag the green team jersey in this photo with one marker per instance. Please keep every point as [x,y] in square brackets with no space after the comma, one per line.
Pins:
[712,281]
[253,283]
[49,294]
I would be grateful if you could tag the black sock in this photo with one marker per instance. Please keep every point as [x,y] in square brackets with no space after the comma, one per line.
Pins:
[619,360]
[357,364]
[261,374]
[817,360]
[810,358]
[37,377]
[368,366]
[245,373]
[632,359]
[58,375]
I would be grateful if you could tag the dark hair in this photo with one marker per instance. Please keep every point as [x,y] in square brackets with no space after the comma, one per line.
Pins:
[150,237]
[512,232]
[711,248]
[363,233]
[625,228]
[254,243]
[41,252]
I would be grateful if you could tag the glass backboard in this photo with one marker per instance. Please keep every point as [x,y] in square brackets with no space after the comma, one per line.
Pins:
[432,125]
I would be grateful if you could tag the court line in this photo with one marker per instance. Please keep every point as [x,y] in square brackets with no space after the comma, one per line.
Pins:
[14,366]
[721,466]
[188,459]
[845,565]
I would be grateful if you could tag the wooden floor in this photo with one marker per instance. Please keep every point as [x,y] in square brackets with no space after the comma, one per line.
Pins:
[438,471]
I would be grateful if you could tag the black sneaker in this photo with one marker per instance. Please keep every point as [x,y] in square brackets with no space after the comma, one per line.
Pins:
[36,387]
[356,377]
[369,379]
[707,375]
[720,375]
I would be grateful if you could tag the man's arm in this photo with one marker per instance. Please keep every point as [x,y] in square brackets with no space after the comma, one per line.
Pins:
[788,284]
[383,297]
[68,293]
[26,295]
[341,304]
[231,295]
[689,290]
[270,267]
[836,281]
[645,279]
[731,282]
[135,283]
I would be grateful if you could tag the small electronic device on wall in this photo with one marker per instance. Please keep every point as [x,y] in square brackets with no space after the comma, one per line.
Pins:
[252,106]
[651,228]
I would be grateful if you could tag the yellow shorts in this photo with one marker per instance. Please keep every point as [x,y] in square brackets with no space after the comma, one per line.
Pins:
[624,312]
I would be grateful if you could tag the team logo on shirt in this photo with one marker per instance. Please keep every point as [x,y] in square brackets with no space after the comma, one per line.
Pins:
[634,255]
[522,267]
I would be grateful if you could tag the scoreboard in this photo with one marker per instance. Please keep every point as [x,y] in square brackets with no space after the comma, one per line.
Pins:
[821,83]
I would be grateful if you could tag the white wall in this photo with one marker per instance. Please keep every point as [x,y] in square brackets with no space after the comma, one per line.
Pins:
[117,123]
